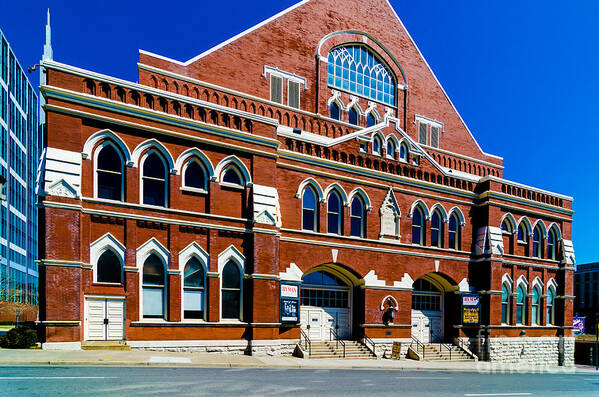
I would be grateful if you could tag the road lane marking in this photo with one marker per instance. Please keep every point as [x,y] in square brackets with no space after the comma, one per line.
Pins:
[54,377]
[424,377]
[496,394]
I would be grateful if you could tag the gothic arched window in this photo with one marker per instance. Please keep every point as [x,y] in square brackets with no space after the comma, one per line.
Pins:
[109,173]
[357,69]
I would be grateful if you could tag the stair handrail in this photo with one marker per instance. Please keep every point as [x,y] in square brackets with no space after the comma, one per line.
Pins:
[307,341]
[462,345]
[333,333]
[441,344]
[418,345]
[368,340]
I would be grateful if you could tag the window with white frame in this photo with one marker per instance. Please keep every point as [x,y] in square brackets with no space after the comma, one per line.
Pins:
[354,116]
[194,297]
[154,180]
[231,291]
[507,231]
[549,306]
[293,94]
[403,152]
[109,173]
[506,307]
[436,230]
[454,233]
[422,132]
[377,145]
[536,306]
[309,210]
[537,242]
[357,215]
[391,150]
[335,111]
[334,214]
[276,88]
[370,119]
[434,136]
[232,176]
[154,288]
[552,244]
[195,176]
[521,304]
[109,269]
[418,226]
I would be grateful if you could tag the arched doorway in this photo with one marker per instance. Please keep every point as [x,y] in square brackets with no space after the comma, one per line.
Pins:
[326,303]
[428,307]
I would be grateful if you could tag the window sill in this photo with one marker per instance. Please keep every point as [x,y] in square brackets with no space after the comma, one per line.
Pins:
[100,284]
[231,186]
[193,190]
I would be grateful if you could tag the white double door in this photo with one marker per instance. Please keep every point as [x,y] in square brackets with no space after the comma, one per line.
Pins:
[104,319]
[427,326]
[322,319]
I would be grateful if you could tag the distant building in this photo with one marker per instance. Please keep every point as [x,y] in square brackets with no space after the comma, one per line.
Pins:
[19,154]
[586,290]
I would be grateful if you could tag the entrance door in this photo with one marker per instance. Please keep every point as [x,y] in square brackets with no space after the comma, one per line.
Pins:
[104,319]
[427,327]
[322,319]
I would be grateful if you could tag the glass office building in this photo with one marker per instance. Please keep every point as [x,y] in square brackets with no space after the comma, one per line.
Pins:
[19,158]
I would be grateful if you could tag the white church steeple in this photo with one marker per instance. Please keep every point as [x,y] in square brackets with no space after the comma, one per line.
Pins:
[48,55]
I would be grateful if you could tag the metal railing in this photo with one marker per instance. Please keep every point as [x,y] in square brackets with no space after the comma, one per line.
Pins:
[418,346]
[441,344]
[368,340]
[333,333]
[307,342]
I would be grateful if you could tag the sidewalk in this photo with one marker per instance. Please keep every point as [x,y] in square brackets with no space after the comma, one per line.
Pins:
[183,359]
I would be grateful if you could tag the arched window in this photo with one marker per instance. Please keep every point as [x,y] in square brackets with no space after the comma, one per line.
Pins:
[536,306]
[109,173]
[153,286]
[357,218]
[194,176]
[507,231]
[506,313]
[353,116]
[418,227]
[537,242]
[309,210]
[231,291]
[334,214]
[376,145]
[391,152]
[370,120]
[552,244]
[357,69]
[109,268]
[436,230]
[193,290]
[232,176]
[403,152]
[454,232]
[523,237]
[549,305]
[335,111]
[154,182]
[521,304]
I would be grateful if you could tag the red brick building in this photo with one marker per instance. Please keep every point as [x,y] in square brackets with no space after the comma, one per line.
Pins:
[316,149]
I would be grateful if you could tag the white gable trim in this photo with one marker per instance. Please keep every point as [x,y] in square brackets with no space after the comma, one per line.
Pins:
[193,250]
[232,39]
[231,253]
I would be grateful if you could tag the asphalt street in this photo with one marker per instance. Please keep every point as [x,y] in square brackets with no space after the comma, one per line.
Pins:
[117,381]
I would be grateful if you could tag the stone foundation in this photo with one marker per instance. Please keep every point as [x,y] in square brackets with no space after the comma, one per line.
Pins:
[253,348]
[384,347]
[525,350]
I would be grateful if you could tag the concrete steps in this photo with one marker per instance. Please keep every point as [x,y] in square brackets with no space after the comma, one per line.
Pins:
[434,352]
[105,345]
[353,350]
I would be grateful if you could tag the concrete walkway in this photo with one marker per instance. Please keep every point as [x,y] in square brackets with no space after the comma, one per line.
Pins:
[148,358]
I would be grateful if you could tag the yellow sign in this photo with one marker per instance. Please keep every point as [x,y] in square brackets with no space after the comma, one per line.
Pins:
[470,315]
[396,353]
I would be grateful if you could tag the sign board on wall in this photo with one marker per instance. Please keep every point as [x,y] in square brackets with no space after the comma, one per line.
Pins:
[578,324]
[470,309]
[289,303]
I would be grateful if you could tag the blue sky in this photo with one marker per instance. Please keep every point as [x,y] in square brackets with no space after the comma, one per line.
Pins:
[523,74]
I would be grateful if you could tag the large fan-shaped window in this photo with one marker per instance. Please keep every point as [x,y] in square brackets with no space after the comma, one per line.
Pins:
[357,69]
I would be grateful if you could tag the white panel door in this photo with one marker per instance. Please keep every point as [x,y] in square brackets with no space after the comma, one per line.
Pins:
[95,313]
[322,319]
[427,326]
[115,315]
[104,319]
